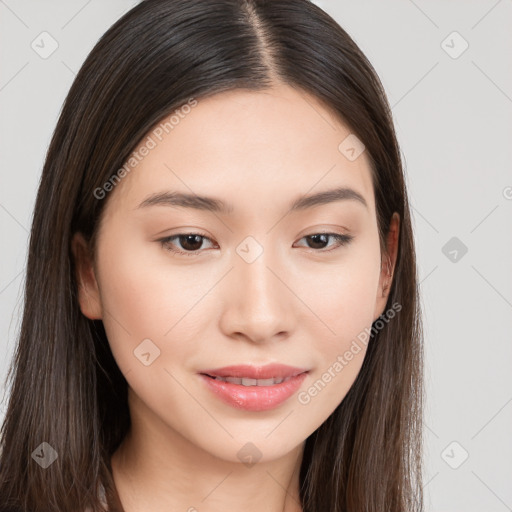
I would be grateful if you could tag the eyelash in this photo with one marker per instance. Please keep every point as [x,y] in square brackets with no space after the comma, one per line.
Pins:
[165,242]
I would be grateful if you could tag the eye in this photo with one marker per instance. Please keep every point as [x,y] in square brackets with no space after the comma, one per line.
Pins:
[191,243]
[322,238]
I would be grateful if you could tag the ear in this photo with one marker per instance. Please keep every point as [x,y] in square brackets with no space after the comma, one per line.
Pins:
[88,291]
[388,263]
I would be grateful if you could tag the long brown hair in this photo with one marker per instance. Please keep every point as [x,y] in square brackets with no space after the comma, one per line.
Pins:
[66,389]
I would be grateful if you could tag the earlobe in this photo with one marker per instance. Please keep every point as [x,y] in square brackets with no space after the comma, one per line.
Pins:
[388,265]
[88,291]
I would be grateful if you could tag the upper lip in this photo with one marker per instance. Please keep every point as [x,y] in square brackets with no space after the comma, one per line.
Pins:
[268,371]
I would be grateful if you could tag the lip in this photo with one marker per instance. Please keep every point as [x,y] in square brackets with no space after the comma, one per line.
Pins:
[254,398]
[256,372]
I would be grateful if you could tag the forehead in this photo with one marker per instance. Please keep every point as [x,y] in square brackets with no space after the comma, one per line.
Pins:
[242,145]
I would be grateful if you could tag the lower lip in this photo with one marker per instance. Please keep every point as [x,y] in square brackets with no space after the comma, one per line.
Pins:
[254,398]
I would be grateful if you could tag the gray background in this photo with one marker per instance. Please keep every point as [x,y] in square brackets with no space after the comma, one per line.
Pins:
[453,114]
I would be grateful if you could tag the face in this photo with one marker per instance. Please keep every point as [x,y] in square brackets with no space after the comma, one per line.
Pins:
[186,286]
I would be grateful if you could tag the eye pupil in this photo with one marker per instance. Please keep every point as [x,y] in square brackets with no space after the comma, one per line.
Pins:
[319,238]
[190,239]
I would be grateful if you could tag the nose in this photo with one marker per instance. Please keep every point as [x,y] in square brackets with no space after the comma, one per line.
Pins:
[259,305]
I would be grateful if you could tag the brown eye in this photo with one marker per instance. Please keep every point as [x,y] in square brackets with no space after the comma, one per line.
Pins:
[189,244]
[319,240]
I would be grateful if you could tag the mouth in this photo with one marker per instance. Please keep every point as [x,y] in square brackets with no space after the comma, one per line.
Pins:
[254,388]
[246,381]
[249,375]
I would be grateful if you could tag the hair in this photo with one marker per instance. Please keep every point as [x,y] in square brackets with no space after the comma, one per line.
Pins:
[66,388]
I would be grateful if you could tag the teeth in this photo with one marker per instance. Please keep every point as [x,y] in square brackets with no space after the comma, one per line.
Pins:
[266,382]
[252,382]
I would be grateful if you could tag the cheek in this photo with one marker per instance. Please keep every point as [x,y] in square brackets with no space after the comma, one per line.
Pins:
[138,303]
[145,299]
[343,297]
[343,294]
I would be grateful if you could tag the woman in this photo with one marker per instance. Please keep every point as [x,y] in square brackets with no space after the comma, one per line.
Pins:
[221,306]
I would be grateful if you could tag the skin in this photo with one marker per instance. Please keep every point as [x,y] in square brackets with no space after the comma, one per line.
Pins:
[297,303]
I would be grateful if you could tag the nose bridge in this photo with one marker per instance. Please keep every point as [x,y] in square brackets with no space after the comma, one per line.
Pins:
[260,304]
[261,282]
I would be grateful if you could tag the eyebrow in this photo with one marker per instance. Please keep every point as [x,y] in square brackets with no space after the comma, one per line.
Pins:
[214,205]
